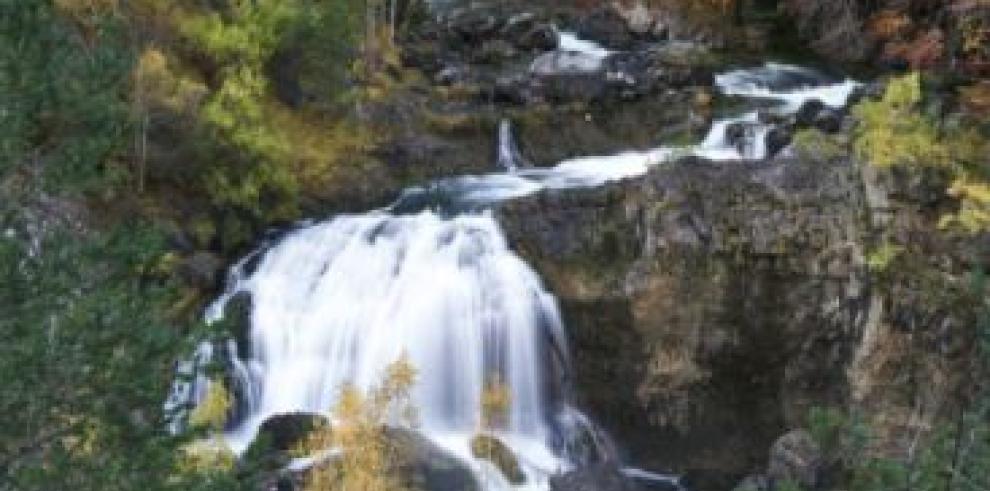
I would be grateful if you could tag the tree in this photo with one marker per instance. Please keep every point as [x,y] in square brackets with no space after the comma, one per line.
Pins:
[88,349]
[366,450]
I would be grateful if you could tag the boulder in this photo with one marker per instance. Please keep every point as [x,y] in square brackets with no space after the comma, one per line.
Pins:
[542,37]
[796,457]
[602,477]
[284,432]
[777,139]
[806,114]
[490,448]
[416,461]
[565,63]
[423,465]
[607,27]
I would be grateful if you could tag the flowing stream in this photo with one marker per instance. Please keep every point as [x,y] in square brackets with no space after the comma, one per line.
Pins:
[433,277]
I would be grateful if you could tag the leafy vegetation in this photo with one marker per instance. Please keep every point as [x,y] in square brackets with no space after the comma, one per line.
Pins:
[954,456]
[896,131]
[61,104]
[89,344]
[812,143]
[367,452]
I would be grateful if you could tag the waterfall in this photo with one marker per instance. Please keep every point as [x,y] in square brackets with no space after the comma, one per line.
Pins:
[508,156]
[334,303]
[337,302]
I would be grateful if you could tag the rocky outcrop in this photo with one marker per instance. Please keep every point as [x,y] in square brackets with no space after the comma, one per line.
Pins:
[711,305]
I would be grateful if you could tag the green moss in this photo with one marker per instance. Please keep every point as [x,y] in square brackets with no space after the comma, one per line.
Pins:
[492,449]
[811,143]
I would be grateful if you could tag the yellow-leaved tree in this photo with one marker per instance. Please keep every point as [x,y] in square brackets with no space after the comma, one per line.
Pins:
[894,131]
[359,433]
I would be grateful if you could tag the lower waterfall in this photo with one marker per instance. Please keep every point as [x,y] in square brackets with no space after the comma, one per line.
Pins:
[336,303]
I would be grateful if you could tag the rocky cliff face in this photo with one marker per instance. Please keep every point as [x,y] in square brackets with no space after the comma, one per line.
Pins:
[711,305]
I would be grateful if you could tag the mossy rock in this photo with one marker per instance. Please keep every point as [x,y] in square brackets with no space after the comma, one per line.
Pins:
[492,449]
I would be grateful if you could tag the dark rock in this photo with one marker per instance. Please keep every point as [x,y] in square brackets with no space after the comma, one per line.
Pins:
[474,25]
[542,37]
[806,114]
[869,91]
[607,27]
[565,63]
[202,270]
[770,117]
[742,135]
[754,236]
[777,139]
[796,457]
[516,91]
[423,465]
[584,87]
[736,132]
[452,75]
[518,25]
[416,461]
[494,450]
[494,51]
[602,477]
[284,432]
[237,314]
[828,120]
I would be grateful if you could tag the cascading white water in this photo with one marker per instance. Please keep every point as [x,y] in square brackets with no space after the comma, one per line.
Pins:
[337,302]
[508,157]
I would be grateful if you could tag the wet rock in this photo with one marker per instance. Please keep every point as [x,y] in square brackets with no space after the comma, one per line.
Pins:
[629,73]
[797,458]
[423,465]
[415,460]
[742,135]
[284,432]
[542,37]
[607,27]
[494,450]
[515,90]
[565,63]
[778,138]
[806,114]
[828,120]
[518,25]
[602,477]
[770,117]
[237,316]
[452,74]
